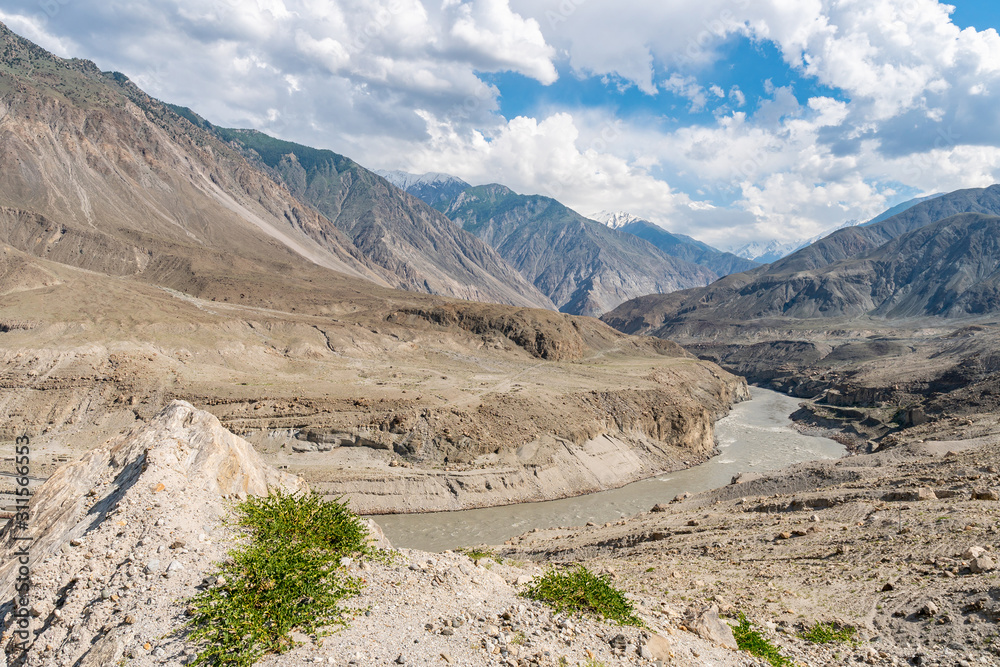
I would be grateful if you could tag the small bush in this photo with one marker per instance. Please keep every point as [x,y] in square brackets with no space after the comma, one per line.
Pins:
[580,590]
[477,554]
[751,641]
[825,633]
[285,576]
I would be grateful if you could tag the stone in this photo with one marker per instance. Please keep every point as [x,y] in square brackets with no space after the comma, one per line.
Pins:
[401,660]
[660,507]
[888,587]
[986,494]
[929,609]
[974,552]
[175,566]
[152,566]
[659,648]
[982,564]
[709,626]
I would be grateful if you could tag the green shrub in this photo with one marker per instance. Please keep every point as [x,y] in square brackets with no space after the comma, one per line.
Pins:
[751,641]
[580,590]
[477,554]
[286,575]
[825,633]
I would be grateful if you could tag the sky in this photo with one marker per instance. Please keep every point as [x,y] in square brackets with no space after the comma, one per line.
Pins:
[729,120]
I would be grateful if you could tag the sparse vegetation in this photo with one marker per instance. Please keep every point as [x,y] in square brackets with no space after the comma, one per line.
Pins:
[751,641]
[825,633]
[580,590]
[477,554]
[285,576]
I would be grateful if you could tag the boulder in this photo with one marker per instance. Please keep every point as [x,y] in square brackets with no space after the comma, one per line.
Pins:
[982,564]
[706,624]
[986,494]
[659,648]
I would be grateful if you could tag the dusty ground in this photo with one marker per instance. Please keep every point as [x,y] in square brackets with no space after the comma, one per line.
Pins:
[855,543]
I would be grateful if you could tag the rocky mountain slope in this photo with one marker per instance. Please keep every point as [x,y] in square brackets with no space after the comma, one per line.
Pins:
[412,242]
[927,261]
[434,189]
[583,266]
[97,174]
[678,245]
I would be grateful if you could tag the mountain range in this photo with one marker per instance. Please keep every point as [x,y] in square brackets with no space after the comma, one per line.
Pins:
[677,245]
[935,259]
[417,248]
[585,267]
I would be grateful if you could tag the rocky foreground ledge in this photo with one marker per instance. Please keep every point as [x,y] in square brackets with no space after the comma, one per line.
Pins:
[123,537]
[901,546]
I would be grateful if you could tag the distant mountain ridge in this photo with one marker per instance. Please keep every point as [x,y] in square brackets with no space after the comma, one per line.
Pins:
[765,252]
[585,267]
[677,245]
[935,259]
[435,189]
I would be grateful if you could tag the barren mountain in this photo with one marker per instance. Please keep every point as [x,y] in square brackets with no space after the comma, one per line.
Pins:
[917,263]
[421,249]
[97,174]
[583,266]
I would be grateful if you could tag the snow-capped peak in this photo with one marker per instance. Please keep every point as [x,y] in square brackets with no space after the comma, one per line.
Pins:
[405,180]
[616,219]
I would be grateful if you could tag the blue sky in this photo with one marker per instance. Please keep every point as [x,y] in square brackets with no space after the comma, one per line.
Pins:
[728,120]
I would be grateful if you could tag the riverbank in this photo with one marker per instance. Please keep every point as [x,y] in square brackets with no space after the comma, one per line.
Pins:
[755,438]
[560,445]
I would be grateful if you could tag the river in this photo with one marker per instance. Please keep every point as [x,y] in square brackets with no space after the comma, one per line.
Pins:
[757,436]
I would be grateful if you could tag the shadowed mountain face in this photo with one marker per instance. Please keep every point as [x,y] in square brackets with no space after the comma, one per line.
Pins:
[934,259]
[583,266]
